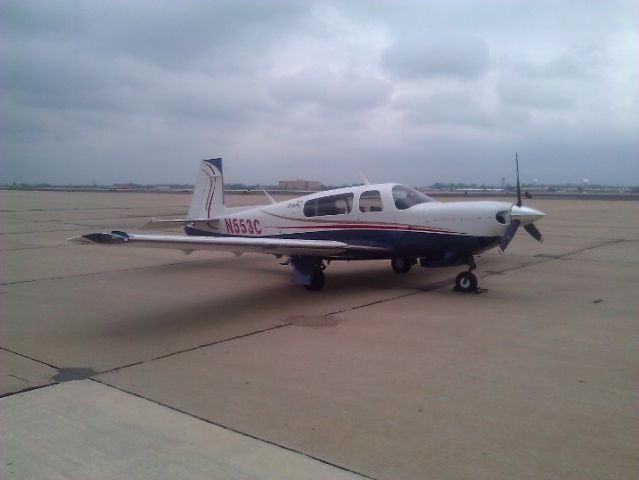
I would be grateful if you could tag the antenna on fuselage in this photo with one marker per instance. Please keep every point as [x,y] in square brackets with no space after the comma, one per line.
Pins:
[364,179]
[518,187]
[271,199]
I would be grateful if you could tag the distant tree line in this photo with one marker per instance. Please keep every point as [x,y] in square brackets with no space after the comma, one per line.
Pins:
[242,186]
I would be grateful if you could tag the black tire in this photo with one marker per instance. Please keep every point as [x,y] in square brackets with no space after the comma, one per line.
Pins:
[401,265]
[466,282]
[317,282]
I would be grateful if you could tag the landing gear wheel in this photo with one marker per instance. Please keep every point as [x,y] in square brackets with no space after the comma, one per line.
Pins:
[466,282]
[317,282]
[401,265]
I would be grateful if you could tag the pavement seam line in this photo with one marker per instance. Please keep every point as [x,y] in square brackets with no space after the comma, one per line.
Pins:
[29,358]
[115,369]
[131,269]
[416,291]
[543,260]
[585,249]
[231,429]
[41,231]
[191,349]
[28,389]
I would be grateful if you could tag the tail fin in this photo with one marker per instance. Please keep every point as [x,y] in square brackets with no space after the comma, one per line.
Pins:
[208,196]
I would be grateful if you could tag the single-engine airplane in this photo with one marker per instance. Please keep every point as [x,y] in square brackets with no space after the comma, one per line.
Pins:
[380,221]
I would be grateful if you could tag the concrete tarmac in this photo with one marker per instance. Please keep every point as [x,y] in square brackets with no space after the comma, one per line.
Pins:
[134,362]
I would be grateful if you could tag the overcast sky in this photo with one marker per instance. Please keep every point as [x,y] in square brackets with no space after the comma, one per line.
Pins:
[411,91]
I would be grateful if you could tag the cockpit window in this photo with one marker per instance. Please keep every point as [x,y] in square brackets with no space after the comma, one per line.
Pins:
[406,197]
[331,205]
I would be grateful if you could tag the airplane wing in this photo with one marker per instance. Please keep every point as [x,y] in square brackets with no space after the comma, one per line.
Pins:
[275,246]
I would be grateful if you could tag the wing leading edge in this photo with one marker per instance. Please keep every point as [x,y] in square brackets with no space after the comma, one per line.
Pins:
[275,246]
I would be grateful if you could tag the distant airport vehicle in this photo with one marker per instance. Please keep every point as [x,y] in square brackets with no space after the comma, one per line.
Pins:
[380,221]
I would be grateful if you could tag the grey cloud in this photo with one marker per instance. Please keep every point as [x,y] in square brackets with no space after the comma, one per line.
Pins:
[51,75]
[331,90]
[538,93]
[457,108]
[429,55]
[217,35]
[49,20]
[214,100]
[579,62]
[225,34]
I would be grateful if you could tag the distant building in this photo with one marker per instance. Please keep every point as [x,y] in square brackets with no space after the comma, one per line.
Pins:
[300,185]
[123,186]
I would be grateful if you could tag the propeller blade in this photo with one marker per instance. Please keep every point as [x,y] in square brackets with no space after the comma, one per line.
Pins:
[536,234]
[518,187]
[508,236]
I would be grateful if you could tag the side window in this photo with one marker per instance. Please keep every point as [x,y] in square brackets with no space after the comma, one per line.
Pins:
[333,205]
[370,201]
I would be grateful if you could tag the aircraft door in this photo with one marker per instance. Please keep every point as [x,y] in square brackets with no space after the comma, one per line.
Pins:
[370,201]
[372,214]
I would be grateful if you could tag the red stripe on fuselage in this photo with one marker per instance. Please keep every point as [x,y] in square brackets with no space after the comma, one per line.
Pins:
[408,228]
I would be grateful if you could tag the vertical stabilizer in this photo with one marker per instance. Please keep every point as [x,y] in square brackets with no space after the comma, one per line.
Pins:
[208,196]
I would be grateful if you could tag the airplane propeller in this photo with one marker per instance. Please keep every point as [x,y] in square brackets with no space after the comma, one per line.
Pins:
[520,215]
[532,230]
[508,236]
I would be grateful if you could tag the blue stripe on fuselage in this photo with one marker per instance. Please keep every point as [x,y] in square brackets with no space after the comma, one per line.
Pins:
[401,243]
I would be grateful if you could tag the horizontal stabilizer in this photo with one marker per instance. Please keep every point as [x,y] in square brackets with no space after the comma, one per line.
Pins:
[161,224]
[155,224]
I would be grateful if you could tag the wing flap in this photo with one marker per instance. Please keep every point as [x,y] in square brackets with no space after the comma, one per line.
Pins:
[275,246]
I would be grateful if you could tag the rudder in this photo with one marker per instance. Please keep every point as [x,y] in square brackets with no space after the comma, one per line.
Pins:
[208,195]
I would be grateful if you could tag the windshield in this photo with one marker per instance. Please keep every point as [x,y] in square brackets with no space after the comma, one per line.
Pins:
[406,197]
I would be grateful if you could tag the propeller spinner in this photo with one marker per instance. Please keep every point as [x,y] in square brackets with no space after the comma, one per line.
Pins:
[520,215]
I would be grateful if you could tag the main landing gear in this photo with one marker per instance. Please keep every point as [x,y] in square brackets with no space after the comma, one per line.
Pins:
[467,281]
[402,265]
[317,278]
[307,271]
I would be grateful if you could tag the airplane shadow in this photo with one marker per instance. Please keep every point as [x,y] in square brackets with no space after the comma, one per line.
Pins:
[263,305]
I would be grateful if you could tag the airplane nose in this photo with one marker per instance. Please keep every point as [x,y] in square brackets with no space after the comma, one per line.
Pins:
[525,215]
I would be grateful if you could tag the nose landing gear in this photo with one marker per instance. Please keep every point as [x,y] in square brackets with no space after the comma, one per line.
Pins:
[467,281]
